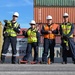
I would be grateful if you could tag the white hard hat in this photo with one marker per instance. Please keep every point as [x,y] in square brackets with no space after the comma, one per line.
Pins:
[65,15]
[32,22]
[49,17]
[16,14]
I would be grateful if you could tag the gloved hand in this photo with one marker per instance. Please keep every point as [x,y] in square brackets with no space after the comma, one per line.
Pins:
[5,34]
[38,44]
[16,29]
[5,21]
[65,38]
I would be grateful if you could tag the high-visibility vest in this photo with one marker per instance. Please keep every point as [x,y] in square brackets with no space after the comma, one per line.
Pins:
[32,36]
[47,28]
[66,29]
[10,30]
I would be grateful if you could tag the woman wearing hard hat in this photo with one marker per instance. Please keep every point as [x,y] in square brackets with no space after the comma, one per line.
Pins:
[33,42]
[10,31]
[67,42]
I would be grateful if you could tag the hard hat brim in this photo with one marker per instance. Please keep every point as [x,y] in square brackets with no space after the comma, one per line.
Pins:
[15,16]
[32,24]
[49,19]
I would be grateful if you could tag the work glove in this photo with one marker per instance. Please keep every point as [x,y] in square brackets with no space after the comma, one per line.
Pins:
[5,34]
[38,44]
[5,21]
[16,30]
[65,38]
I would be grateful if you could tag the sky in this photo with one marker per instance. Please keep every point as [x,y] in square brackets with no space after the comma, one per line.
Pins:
[23,7]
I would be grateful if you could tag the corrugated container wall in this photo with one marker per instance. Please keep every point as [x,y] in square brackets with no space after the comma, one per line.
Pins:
[40,14]
[49,3]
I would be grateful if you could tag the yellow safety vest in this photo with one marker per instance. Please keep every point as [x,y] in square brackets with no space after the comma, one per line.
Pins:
[10,29]
[66,29]
[32,35]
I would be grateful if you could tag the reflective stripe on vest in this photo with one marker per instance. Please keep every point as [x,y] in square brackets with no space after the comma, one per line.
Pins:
[31,36]
[10,30]
[47,28]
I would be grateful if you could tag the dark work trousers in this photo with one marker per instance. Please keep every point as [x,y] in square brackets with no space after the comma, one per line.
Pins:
[6,43]
[64,51]
[48,44]
[71,48]
[29,51]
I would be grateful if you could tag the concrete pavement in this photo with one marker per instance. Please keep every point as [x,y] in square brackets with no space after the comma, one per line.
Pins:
[37,69]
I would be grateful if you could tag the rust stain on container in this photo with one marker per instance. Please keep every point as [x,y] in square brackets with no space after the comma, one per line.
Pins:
[40,14]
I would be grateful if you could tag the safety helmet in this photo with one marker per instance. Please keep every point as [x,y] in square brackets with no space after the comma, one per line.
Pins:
[65,15]
[16,14]
[49,17]
[33,22]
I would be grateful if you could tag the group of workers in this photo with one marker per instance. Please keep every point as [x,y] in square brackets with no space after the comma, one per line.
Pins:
[48,31]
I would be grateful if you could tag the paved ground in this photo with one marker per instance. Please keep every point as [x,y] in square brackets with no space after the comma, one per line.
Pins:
[28,69]
[38,69]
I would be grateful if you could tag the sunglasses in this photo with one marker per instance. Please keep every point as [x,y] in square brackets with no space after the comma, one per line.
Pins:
[32,24]
[15,16]
[65,16]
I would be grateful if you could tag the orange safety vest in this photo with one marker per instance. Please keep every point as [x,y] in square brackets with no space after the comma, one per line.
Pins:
[47,28]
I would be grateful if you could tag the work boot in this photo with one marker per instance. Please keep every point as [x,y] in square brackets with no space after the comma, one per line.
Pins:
[14,60]
[23,61]
[34,62]
[73,62]
[2,59]
[64,62]
[43,62]
[51,62]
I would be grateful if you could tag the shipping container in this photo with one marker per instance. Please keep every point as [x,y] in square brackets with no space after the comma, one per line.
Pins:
[48,3]
[40,14]
[55,8]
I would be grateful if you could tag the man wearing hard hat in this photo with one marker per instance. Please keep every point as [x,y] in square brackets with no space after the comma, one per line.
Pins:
[48,31]
[10,31]
[67,42]
[33,42]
